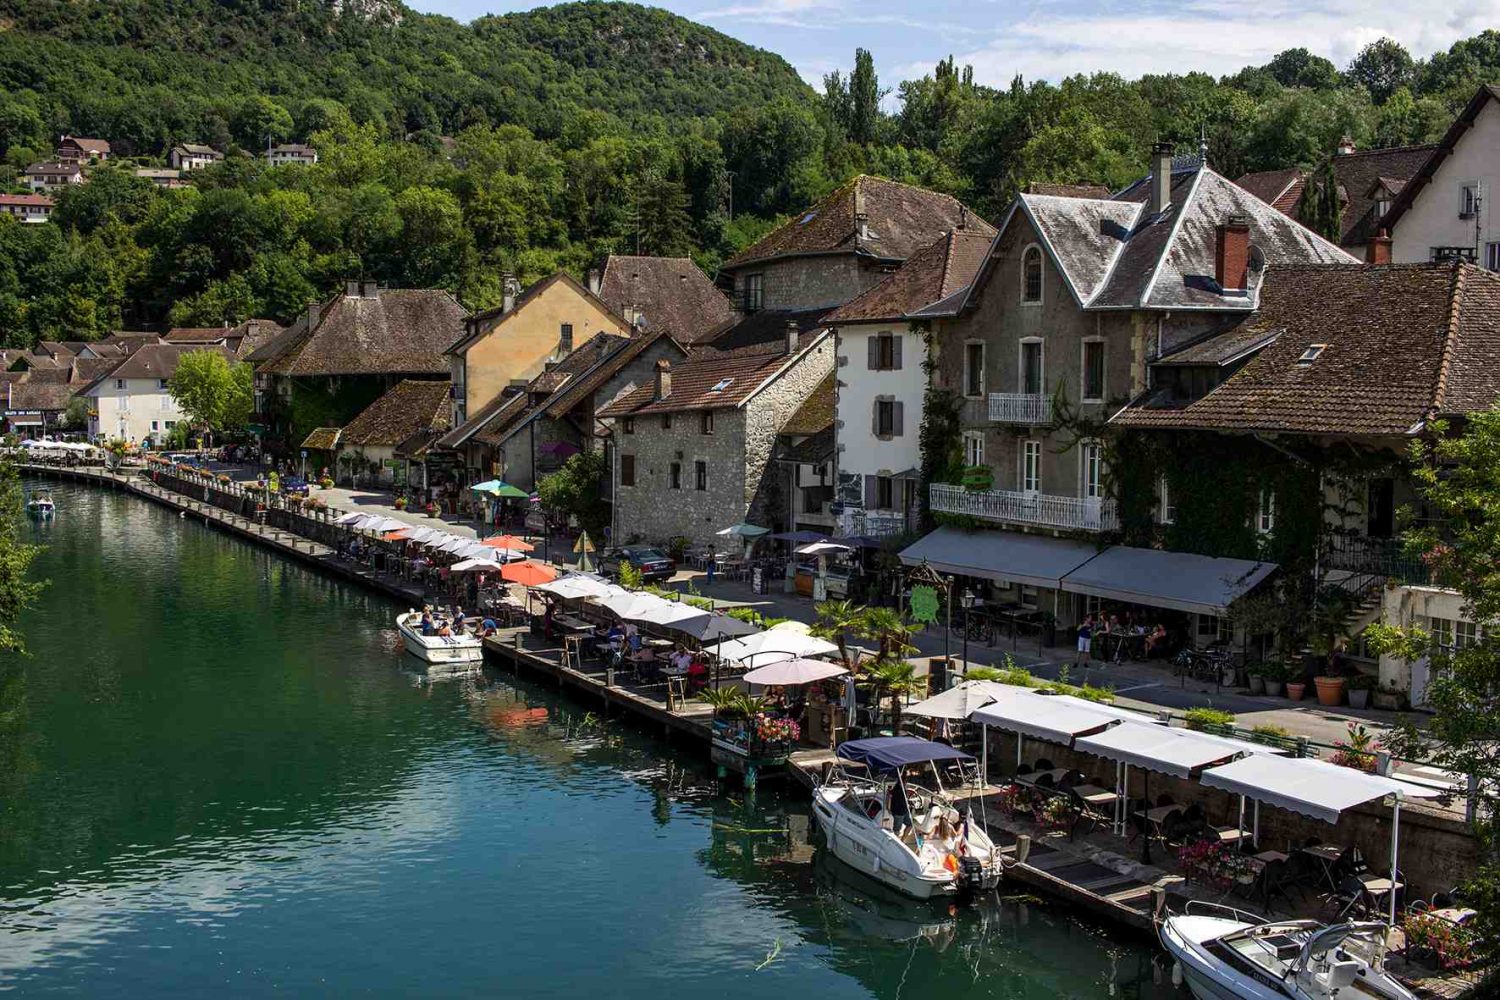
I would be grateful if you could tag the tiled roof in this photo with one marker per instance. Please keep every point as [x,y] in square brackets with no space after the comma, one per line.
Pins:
[764,331]
[55,167]
[400,331]
[813,450]
[501,411]
[671,293]
[1357,175]
[814,415]
[928,276]
[575,391]
[25,394]
[1068,190]
[198,149]
[195,334]
[1418,179]
[86,370]
[87,145]
[26,199]
[1278,188]
[475,330]
[155,361]
[410,406]
[1401,342]
[323,438]
[901,220]
[709,381]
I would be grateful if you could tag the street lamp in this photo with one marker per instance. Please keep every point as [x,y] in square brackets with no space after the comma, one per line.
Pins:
[966,601]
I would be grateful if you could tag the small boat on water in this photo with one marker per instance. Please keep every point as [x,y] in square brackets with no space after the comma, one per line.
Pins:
[40,505]
[880,821]
[1227,954]
[438,649]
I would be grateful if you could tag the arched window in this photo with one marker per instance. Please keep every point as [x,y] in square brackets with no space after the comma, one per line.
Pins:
[1031,275]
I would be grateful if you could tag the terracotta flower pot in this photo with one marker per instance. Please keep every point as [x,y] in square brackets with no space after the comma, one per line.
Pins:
[1295,690]
[1330,690]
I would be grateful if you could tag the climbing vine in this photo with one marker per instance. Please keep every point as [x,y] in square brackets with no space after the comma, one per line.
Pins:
[941,436]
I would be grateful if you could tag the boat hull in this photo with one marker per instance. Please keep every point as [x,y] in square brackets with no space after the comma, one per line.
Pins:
[452,650]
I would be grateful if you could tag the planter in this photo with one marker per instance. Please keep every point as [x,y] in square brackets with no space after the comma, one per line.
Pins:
[1257,684]
[1273,688]
[1358,697]
[1390,701]
[1295,690]
[1330,690]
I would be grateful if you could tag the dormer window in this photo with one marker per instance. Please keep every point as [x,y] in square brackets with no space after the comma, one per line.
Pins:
[1311,354]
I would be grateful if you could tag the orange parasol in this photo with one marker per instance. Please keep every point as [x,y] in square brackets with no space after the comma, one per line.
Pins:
[530,573]
[394,536]
[509,542]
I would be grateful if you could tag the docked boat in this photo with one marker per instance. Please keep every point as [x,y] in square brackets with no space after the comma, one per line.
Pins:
[1224,953]
[438,649]
[40,505]
[882,816]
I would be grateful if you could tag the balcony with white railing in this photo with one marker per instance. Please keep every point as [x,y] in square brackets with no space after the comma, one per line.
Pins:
[1037,509]
[1020,408]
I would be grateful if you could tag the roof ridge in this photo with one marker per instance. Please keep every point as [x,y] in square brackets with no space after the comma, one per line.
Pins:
[1450,338]
[948,239]
[1385,149]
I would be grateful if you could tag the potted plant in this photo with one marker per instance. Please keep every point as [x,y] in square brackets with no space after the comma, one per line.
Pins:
[1359,690]
[1357,749]
[400,503]
[1275,673]
[1255,677]
[1330,689]
[1295,678]
[1388,697]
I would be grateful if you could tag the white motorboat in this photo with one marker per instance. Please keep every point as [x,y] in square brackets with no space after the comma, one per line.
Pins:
[438,649]
[1227,954]
[883,824]
[41,505]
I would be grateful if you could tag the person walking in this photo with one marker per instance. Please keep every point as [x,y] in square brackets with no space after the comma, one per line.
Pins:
[1085,641]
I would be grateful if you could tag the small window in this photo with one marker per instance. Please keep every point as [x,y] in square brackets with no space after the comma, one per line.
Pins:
[1031,275]
[1311,354]
[1468,201]
[627,470]
[753,297]
[1031,467]
[974,369]
[885,352]
[973,448]
[666,421]
[1382,206]
[885,418]
[1093,370]
[885,495]
[1492,256]
[171,424]
[628,425]
[721,385]
[566,337]
[1031,367]
[1265,517]
[700,476]
[1166,511]
[706,422]
[161,383]
[674,476]
[154,425]
[119,383]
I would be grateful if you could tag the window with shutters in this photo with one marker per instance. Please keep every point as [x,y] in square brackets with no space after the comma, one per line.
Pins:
[1093,371]
[700,476]
[887,418]
[1166,510]
[674,476]
[627,470]
[1031,274]
[1093,470]
[973,448]
[706,422]
[1031,366]
[1468,200]
[885,495]
[1031,467]
[753,292]
[885,352]
[1492,256]
[974,368]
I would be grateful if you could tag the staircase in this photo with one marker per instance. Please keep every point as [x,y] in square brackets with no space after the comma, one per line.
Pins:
[1368,596]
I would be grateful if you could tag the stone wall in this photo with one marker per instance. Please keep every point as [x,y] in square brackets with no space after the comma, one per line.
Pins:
[766,413]
[651,510]
[811,282]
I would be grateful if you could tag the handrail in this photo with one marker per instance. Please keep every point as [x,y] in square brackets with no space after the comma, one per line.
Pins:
[1244,916]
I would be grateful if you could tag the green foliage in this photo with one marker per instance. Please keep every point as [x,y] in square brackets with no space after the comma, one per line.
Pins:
[215,394]
[1320,208]
[630,577]
[1203,718]
[744,613]
[575,490]
[17,591]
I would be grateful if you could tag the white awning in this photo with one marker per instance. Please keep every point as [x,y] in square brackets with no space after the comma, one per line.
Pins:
[1005,556]
[1313,788]
[1178,752]
[960,701]
[669,613]
[775,644]
[628,604]
[1055,718]
[579,585]
[1178,580]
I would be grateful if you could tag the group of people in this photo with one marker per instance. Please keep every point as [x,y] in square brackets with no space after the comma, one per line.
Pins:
[1154,639]
[455,622]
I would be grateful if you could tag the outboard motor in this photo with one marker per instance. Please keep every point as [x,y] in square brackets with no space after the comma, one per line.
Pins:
[970,876]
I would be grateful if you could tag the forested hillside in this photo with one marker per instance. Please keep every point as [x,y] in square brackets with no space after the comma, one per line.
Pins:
[452,153]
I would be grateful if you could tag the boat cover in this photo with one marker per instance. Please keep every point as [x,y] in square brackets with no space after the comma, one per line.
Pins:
[888,753]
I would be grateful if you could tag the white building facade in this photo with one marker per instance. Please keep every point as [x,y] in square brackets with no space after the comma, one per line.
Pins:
[1448,208]
[878,413]
[134,409]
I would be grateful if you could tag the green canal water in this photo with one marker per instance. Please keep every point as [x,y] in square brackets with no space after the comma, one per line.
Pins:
[220,777]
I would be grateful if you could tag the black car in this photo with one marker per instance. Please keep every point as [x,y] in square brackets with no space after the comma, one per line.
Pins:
[653,564]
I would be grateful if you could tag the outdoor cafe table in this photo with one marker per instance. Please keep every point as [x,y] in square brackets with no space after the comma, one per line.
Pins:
[573,624]
[1231,834]
[1156,819]
[1056,774]
[1095,796]
[1326,855]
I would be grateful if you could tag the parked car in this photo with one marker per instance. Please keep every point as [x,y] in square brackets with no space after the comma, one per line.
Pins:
[653,564]
[295,485]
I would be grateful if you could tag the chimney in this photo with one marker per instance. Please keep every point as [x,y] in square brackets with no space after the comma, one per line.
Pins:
[791,338]
[351,289]
[596,281]
[314,314]
[1232,253]
[1161,177]
[370,289]
[252,328]
[508,294]
[861,226]
[1346,146]
[663,380]
[1379,249]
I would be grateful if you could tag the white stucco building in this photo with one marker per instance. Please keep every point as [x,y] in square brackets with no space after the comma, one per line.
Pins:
[131,400]
[1447,208]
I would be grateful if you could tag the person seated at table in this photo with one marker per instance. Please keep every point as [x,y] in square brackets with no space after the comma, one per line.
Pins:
[614,637]
[645,661]
[681,659]
[697,673]
[633,638]
[1156,641]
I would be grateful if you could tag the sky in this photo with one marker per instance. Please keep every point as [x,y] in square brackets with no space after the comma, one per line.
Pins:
[1051,39]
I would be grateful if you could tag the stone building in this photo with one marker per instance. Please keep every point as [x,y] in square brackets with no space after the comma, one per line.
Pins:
[373,447]
[692,450]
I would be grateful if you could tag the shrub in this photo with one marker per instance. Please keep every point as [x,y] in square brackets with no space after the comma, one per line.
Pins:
[1203,718]
[745,614]
[701,603]
[1270,735]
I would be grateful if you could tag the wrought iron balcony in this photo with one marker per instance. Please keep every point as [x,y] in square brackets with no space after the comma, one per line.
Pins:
[1015,507]
[1020,408]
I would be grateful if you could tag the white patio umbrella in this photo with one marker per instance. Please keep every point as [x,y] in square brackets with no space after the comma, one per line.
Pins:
[350,517]
[474,565]
[789,673]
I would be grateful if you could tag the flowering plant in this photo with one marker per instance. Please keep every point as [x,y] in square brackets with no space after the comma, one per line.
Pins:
[1055,812]
[777,730]
[1205,860]
[1358,751]
[1451,944]
[1008,798]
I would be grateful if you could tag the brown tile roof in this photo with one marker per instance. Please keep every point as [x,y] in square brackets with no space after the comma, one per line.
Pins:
[195,334]
[490,423]
[475,330]
[902,220]
[153,361]
[708,381]
[1278,188]
[1418,179]
[86,370]
[323,438]
[574,392]
[814,415]
[400,331]
[1357,175]
[255,332]
[671,293]
[410,406]
[1402,342]
[1068,190]
[764,332]
[26,394]
[56,349]
[87,145]
[26,199]
[930,275]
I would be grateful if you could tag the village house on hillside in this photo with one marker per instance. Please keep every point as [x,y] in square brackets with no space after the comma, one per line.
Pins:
[340,355]
[129,400]
[291,153]
[82,150]
[663,294]
[53,175]
[192,156]
[162,177]
[1444,211]
[692,449]
[846,243]
[27,207]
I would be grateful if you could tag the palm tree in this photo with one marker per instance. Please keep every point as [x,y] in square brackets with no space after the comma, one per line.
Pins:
[897,678]
[836,619]
[886,627]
